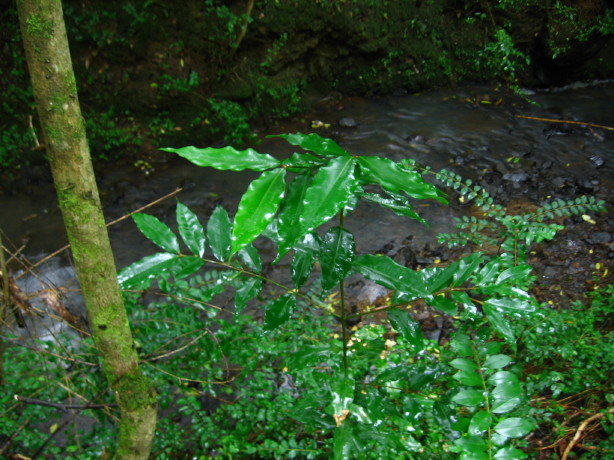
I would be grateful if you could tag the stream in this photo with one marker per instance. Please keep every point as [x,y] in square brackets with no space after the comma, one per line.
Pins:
[473,130]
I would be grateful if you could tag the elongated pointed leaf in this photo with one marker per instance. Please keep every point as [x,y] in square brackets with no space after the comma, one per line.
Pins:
[504,406]
[386,272]
[186,266]
[500,323]
[279,311]
[336,252]
[399,207]
[302,264]
[146,269]
[226,158]
[514,427]
[342,390]
[331,189]
[314,143]
[392,177]
[464,364]
[251,258]
[257,208]
[511,305]
[496,362]
[250,289]
[346,444]
[288,229]
[466,267]
[219,230]
[442,303]
[191,230]
[157,232]
[409,329]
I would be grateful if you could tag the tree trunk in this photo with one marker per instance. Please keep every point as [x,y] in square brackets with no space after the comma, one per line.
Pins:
[46,45]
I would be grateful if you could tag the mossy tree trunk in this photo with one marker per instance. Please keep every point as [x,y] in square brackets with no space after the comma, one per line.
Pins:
[46,45]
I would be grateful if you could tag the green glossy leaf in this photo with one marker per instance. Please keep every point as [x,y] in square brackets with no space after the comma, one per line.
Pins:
[299,161]
[511,305]
[496,362]
[226,158]
[386,272]
[302,264]
[288,229]
[510,453]
[257,208]
[346,444]
[336,252]
[466,267]
[506,391]
[342,391]
[219,230]
[464,364]
[469,378]
[332,187]
[279,311]
[409,329]
[471,445]
[399,207]
[191,230]
[488,273]
[514,427]
[505,406]
[469,397]
[157,232]
[500,323]
[514,274]
[146,269]
[502,377]
[248,290]
[462,344]
[186,266]
[443,304]
[392,177]
[251,258]
[315,143]
[480,422]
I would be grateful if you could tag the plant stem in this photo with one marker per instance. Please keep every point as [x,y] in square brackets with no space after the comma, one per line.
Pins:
[344,315]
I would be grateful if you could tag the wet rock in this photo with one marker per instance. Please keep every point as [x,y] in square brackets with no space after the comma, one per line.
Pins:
[516,177]
[600,238]
[348,123]
[546,165]
[597,160]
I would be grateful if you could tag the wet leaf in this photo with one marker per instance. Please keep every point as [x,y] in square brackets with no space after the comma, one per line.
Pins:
[342,391]
[443,304]
[386,272]
[499,322]
[392,177]
[146,269]
[469,397]
[332,187]
[288,230]
[511,305]
[514,427]
[157,232]
[409,329]
[257,208]
[191,230]
[506,391]
[464,364]
[302,264]
[251,258]
[186,266]
[505,406]
[466,267]
[510,453]
[336,252]
[399,207]
[314,143]
[474,445]
[218,234]
[480,422]
[514,274]
[502,377]
[469,378]
[496,362]
[345,444]
[462,344]
[279,311]
[226,158]
[248,290]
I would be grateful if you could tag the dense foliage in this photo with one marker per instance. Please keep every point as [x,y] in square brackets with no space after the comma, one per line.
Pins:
[315,377]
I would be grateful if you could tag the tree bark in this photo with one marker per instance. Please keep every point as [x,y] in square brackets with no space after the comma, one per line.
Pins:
[46,45]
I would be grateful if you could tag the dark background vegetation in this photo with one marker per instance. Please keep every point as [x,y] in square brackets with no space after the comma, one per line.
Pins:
[206,71]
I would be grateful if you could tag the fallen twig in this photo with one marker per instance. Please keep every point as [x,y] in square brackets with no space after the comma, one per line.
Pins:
[581,429]
[571,122]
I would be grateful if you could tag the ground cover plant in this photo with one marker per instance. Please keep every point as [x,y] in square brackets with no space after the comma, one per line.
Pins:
[265,368]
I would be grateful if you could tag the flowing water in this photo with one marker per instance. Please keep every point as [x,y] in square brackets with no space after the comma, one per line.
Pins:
[473,130]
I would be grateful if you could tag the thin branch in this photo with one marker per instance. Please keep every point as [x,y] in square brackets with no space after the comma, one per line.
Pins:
[570,122]
[62,407]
